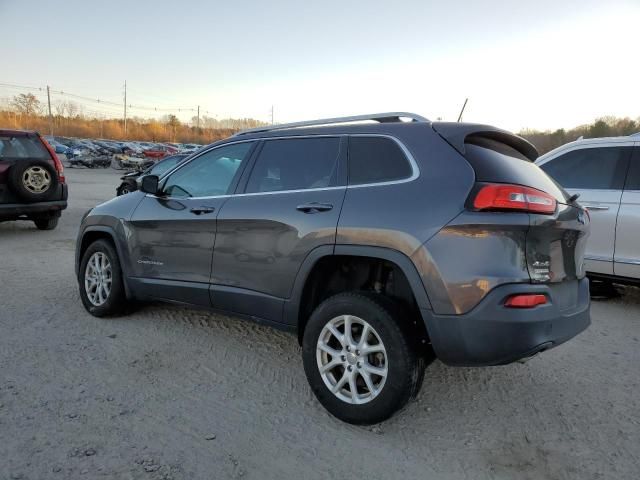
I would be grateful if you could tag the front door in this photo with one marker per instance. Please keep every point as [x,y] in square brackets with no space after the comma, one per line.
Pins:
[290,206]
[627,254]
[597,173]
[172,234]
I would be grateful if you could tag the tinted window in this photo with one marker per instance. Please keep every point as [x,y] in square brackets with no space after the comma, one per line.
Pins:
[22,147]
[295,164]
[210,174]
[590,168]
[165,165]
[633,177]
[376,159]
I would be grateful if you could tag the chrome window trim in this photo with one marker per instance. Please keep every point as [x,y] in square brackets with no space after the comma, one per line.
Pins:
[414,167]
[628,261]
[415,171]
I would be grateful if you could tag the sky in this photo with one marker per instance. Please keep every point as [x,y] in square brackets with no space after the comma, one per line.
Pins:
[539,64]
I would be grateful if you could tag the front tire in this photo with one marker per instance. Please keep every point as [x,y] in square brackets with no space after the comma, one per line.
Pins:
[100,280]
[360,358]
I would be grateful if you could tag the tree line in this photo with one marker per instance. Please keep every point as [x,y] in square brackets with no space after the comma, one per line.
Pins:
[603,127]
[27,112]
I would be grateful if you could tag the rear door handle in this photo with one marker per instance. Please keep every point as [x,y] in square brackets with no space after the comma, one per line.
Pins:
[314,207]
[595,207]
[202,210]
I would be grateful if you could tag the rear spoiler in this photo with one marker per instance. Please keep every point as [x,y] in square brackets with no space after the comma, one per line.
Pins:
[456,133]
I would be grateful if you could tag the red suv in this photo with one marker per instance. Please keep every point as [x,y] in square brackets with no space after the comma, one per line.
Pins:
[32,184]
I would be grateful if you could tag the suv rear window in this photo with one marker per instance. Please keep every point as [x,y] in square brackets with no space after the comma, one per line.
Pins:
[376,160]
[22,147]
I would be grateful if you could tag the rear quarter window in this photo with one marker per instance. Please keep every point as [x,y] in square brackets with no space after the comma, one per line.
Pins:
[376,160]
[22,147]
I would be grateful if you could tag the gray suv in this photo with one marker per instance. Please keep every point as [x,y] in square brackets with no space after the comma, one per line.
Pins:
[383,244]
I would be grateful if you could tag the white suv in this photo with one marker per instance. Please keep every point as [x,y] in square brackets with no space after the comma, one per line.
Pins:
[606,174]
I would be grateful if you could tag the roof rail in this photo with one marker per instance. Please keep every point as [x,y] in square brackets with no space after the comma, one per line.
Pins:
[388,117]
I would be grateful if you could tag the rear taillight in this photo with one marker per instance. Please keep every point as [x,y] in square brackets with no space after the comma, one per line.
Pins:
[500,196]
[527,300]
[56,160]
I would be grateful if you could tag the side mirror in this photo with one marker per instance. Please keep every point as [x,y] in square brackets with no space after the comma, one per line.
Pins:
[149,184]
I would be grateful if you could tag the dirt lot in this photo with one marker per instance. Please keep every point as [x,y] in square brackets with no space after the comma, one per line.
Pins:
[176,393]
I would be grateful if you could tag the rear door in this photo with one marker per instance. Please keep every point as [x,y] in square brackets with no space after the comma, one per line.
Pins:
[627,253]
[289,205]
[596,172]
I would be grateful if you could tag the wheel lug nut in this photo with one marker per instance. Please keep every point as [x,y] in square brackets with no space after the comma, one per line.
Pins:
[348,348]
[357,352]
[350,368]
[343,358]
[359,365]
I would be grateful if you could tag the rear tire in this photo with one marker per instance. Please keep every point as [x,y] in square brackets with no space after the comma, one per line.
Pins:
[396,359]
[100,280]
[46,223]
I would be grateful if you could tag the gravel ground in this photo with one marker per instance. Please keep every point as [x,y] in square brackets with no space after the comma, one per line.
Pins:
[177,393]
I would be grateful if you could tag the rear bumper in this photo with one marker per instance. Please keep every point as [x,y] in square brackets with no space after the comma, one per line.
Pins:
[492,334]
[15,210]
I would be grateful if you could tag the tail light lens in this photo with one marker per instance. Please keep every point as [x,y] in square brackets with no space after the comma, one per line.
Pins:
[56,160]
[500,196]
[527,300]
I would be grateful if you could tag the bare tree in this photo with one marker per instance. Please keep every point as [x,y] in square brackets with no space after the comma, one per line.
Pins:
[26,104]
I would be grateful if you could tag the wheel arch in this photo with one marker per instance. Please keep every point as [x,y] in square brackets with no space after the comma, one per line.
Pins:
[97,232]
[296,310]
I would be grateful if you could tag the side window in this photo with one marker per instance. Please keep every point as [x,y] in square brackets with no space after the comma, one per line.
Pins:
[295,164]
[376,159]
[208,175]
[633,177]
[590,168]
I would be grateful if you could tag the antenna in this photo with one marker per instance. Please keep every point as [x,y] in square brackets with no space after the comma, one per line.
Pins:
[462,111]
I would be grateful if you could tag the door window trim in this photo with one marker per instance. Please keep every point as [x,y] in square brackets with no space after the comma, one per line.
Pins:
[251,159]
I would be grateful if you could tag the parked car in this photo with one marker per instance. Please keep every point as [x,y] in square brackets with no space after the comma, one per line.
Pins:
[605,173]
[160,151]
[130,179]
[383,245]
[32,183]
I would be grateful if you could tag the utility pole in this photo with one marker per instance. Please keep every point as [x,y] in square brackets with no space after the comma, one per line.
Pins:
[125,109]
[271,114]
[50,117]
[198,123]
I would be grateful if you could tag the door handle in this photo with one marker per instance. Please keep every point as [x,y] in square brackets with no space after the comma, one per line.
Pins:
[314,207]
[595,207]
[202,210]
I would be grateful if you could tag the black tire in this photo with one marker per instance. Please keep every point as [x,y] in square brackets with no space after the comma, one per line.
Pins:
[405,364]
[16,183]
[46,223]
[116,302]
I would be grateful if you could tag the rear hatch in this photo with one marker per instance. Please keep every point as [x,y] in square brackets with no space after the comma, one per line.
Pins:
[22,146]
[559,227]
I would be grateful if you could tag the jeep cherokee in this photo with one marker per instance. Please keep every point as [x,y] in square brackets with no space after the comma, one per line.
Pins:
[384,241]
